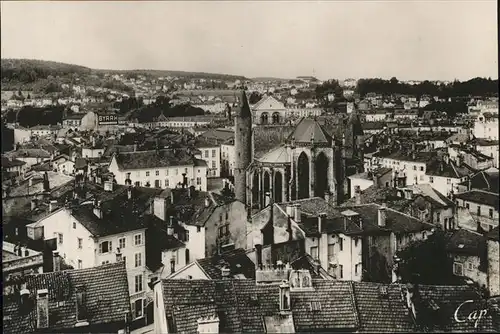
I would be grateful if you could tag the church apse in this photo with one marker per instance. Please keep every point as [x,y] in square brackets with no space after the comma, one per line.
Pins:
[321,174]
[303,176]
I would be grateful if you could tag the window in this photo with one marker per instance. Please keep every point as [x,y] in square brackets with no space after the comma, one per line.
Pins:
[431,179]
[213,153]
[421,177]
[356,241]
[105,262]
[138,239]
[105,247]
[438,217]
[121,243]
[356,269]
[157,183]
[138,259]
[467,206]
[206,153]
[458,269]
[213,164]
[421,168]
[60,238]
[80,243]
[424,235]
[137,183]
[187,256]
[119,257]
[491,213]
[138,283]
[157,173]
[185,170]
[187,235]
[341,271]
[227,215]
[478,210]
[198,229]
[74,225]
[80,264]
[448,181]
[137,308]
[331,252]
[166,172]
[414,167]
[341,244]
[198,180]
[314,253]
[470,266]
[147,173]
[221,231]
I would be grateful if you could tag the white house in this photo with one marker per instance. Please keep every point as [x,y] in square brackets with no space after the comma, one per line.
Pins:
[486,126]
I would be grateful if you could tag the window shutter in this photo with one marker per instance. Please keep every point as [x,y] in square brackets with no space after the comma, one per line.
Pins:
[100,248]
[132,309]
[110,247]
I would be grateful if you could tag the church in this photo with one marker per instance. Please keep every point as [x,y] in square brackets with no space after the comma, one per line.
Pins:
[310,163]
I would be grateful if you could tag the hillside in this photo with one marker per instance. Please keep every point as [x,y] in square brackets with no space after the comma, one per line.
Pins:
[180,74]
[269,79]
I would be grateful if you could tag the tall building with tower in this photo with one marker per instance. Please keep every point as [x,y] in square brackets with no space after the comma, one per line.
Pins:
[243,147]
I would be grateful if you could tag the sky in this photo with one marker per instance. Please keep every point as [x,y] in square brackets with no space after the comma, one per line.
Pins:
[408,39]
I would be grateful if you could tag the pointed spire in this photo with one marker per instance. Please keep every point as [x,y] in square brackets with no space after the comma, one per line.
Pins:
[243,106]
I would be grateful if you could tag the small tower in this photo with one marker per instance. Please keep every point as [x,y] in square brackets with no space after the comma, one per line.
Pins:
[242,146]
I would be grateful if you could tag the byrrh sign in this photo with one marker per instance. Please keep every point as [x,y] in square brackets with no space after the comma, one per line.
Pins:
[107,119]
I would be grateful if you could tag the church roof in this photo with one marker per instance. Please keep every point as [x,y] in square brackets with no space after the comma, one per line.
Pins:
[276,155]
[244,108]
[308,129]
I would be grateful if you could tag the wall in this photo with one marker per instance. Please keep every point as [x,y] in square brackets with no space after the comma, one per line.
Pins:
[191,271]
[493,267]
[443,184]
[228,159]
[412,169]
[196,242]
[212,156]
[471,268]
[484,218]
[486,129]
[361,182]
[92,152]
[160,319]
[491,151]
[179,256]
[21,135]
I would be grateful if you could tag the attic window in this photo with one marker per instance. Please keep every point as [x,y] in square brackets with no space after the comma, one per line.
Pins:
[315,306]
[253,300]
[383,291]
[461,246]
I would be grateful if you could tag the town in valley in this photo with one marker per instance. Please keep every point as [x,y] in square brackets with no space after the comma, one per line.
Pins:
[165,201]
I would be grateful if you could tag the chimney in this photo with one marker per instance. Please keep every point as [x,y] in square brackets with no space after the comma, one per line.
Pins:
[225,272]
[93,141]
[469,183]
[56,261]
[284,296]
[289,210]
[321,221]
[129,193]
[33,204]
[268,199]
[207,202]
[460,159]
[52,205]
[382,215]
[108,185]
[357,194]
[208,325]
[172,200]
[98,210]
[42,308]
[170,227]
[24,297]
[135,147]
[258,255]
[298,214]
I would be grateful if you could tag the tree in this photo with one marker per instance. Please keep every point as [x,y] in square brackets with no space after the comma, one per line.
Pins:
[427,262]
[254,97]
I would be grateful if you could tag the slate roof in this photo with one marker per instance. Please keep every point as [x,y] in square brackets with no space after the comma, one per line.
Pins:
[242,305]
[494,234]
[8,163]
[439,168]
[381,308]
[484,180]
[236,260]
[276,155]
[30,153]
[389,195]
[107,298]
[480,197]
[308,129]
[155,159]
[397,222]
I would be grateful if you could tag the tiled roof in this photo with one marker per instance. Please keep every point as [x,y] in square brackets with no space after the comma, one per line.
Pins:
[154,159]
[494,234]
[30,153]
[389,195]
[312,206]
[241,305]
[107,298]
[381,308]
[308,129]
[439,168]
[483,180]
[236,260]
[480,197]
[8,163]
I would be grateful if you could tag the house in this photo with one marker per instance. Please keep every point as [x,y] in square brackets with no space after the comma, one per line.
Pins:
[489,148]
[378,177]
[229,264]
[19,260]
[269,111]
[420,201]
[205,222]
[110,229]
[493,256]
[445,174]
[165,168]
[482,206]
[30,156]
[92,300]
[486,126]
[375,115]
[13,165]
[64,165]
[210,152]
[73,121]
[468,253]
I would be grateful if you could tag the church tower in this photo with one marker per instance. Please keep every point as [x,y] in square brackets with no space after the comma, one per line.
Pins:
[242,146]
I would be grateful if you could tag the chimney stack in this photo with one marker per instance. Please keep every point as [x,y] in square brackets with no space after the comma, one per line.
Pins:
[357,194]
[52,205]
[172,201]
[42,309]
[129,193]
[258,255]
[98,210]
[298,214]
[170,227]
[382,215]
[207,202]
[289,210]
[321,221]
[226,272]
[108,185]
[56,261]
